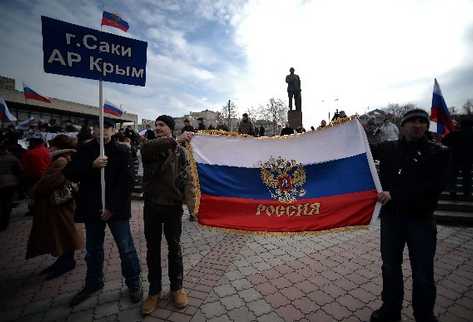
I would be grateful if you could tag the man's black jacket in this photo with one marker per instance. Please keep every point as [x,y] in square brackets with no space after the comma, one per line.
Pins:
[415,173]
[118,181]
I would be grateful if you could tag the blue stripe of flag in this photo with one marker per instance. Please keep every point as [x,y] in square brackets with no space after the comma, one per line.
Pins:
[336,177]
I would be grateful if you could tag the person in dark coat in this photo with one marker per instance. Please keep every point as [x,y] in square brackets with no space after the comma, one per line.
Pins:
[413,173]
[10,178]
[12,144]
[85,135]
[149,134]
[261,130]
[187,126]
[245,126]
[167,185]
[287,130]
[53,231]
[201,126]
[85,168]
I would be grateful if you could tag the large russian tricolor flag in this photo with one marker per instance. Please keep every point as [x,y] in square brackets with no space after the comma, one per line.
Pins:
[439,112]
[314,181]
[109,108]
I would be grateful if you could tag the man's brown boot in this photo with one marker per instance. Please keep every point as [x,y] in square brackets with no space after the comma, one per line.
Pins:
[180,298]
[150,304]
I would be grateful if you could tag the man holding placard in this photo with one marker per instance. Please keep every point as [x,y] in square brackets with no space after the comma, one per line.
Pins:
[85,168]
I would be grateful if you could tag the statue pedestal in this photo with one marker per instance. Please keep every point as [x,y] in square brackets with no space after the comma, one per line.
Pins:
[295,119]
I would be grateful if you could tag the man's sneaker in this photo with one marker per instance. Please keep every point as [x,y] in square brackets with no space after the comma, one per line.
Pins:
[151,304]
[180,298]
[84,294]
[136,294]
[382,315]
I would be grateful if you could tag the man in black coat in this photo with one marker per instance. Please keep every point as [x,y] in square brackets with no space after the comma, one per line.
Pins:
[187,126]
[85,168]
[149,134]
[287,130]
[201,126]
[413,173]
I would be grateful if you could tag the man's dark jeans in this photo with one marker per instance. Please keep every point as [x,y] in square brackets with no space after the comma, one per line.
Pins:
[420,235]
[156,219]
[95,233]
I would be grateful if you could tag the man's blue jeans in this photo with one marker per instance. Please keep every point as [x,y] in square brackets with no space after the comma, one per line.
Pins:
[95,233]
[420,235]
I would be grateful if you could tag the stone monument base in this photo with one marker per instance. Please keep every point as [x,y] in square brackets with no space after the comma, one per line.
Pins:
[295,119]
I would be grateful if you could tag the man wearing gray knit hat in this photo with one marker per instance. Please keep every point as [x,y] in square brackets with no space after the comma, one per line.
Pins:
[413,173]
[415,113]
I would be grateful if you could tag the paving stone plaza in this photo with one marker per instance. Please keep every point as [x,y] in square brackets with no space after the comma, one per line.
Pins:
[334,276]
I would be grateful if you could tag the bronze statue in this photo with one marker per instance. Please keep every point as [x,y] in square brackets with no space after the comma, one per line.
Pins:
[294,89]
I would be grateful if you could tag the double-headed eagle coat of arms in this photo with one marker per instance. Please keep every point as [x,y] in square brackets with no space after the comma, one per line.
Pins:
[284,178]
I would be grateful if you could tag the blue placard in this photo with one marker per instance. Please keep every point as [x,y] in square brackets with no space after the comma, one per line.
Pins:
[74,50]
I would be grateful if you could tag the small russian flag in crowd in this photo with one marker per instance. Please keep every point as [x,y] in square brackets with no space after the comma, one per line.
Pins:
[5,115]
[32,95]
[439,112]
[109,108]
[114,20]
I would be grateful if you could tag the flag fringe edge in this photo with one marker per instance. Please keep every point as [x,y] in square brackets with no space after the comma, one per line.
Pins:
[195,179]
[284,233]
[332,124]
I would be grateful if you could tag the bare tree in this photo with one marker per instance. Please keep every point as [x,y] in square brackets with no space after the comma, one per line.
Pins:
[274,111]
[227,113]
[253,113]
[397,111]
[468,106]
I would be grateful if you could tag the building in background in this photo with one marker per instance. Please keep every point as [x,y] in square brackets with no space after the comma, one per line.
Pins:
[60,111]
[210,118]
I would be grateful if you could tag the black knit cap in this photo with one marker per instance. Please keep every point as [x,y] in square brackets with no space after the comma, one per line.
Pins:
[415,113]
[108,123]
[168,120]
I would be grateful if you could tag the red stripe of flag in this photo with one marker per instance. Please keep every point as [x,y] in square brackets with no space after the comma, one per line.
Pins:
[328,212]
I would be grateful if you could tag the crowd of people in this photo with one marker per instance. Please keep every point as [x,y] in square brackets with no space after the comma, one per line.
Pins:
[62,178]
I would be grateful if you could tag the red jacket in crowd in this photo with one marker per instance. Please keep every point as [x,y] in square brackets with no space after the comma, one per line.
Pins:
[35,161]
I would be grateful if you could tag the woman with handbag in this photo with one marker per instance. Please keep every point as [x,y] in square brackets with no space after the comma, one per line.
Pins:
[54,231]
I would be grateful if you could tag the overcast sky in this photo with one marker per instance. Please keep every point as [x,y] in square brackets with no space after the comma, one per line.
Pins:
[202,53]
